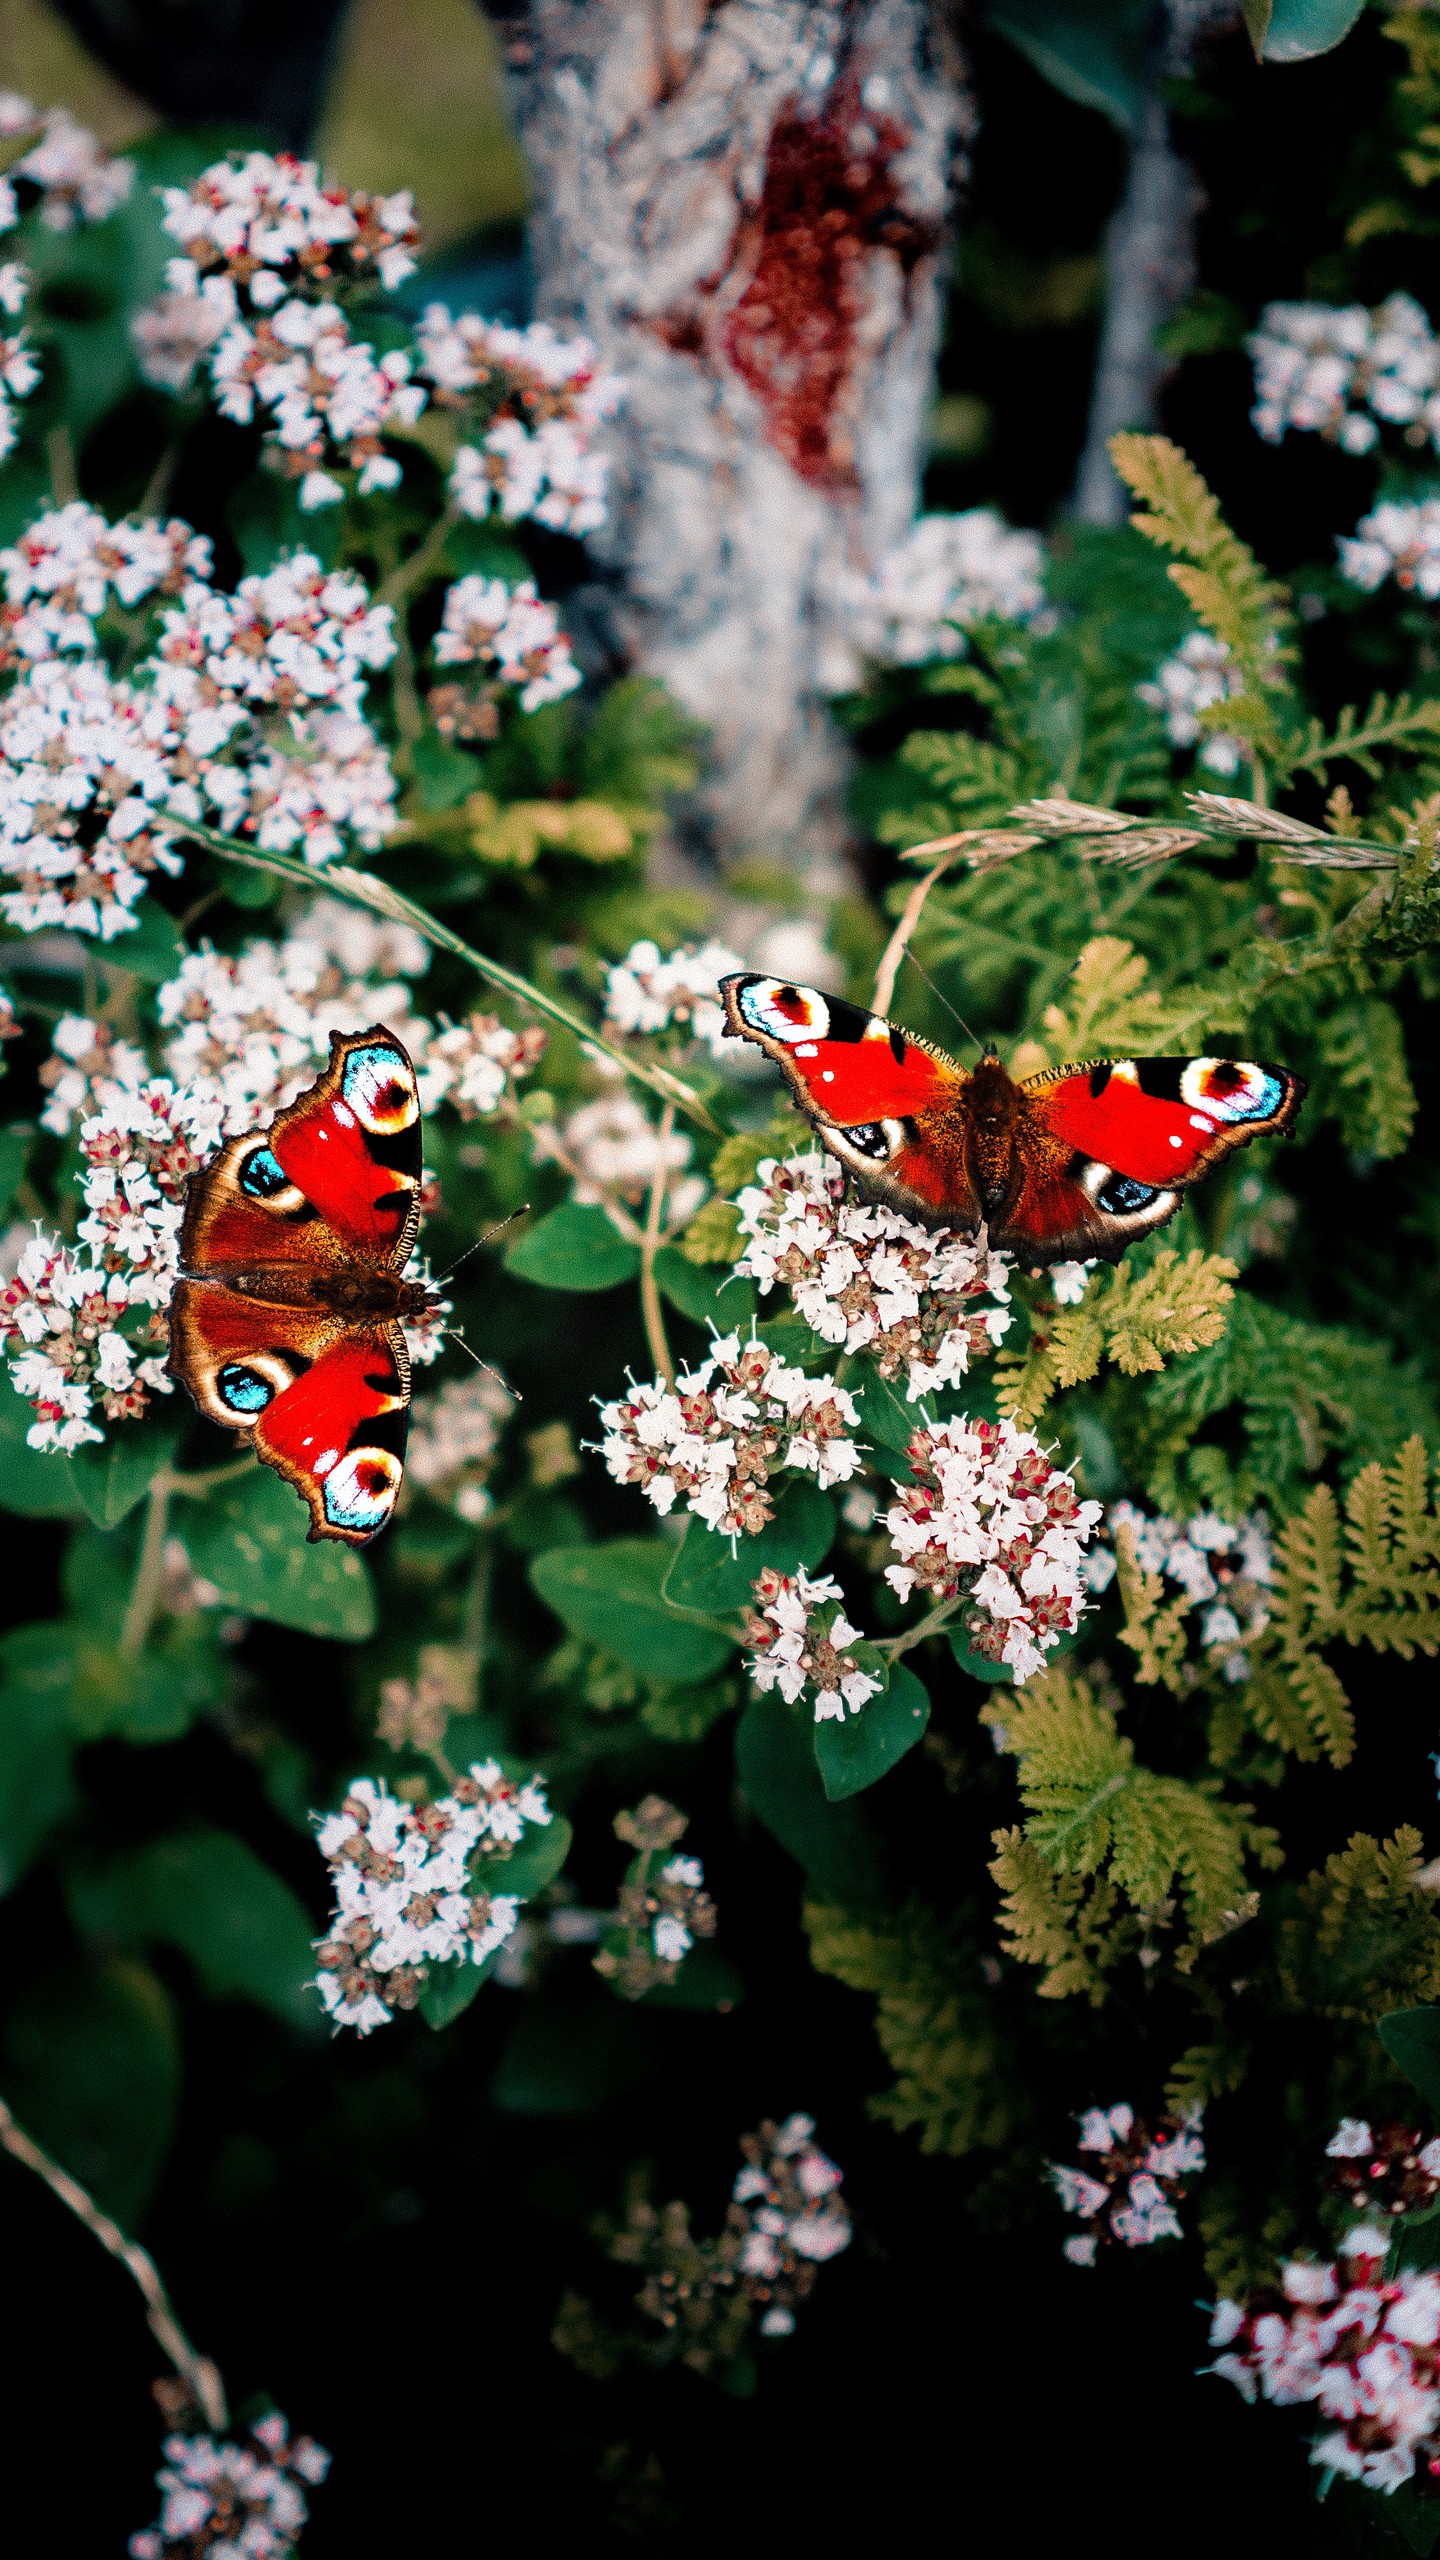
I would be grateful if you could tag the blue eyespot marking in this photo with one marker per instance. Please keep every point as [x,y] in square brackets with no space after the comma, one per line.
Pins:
[375,1086]
[1232,1089]
[262,1175]
[1121,1197]
[244,1390]
[360,1491]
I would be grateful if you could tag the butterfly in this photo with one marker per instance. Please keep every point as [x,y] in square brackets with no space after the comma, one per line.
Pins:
[287,1320]
[1072,1165]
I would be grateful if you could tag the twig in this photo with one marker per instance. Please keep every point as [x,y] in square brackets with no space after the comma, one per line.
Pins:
[413,571]
[650,1307]
[200,2376]
[929,1626]
[899,942]
[60,463]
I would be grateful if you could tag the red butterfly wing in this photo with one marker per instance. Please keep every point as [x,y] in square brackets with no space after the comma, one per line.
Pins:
[884,1103]
[325,1403]
[1164,1121]
[335,1176]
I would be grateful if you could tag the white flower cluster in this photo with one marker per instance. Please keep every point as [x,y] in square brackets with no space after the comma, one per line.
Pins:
[866,1279]
[613,1152]
[789,2216]
[412,1887]
[949,572]
[85,770]
[62,572]
[1385,2168]
[487,623]
[61,1317]
[646,993]
[1335,371]
[1192,681]
[88,1068]
[1364,2349]
[795,1649]
[713,1440]
[987,1515]
[67,178]
[268,246]
[538,399]
[64,173]
[1224,1567]
[454,1437]
[265,690]
[229,2502]
[1135,2178]
[1399,539]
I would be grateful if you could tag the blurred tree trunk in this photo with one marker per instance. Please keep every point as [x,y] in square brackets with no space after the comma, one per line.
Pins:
[745,204]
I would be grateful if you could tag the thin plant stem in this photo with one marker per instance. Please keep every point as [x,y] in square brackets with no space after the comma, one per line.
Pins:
[929,1626]
[899,942]
[412,572]
[60,463]
[364,889]
[150,1571]
[200,2377]
[650,1306]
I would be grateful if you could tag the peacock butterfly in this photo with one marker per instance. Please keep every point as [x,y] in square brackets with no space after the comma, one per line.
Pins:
[287,1320]
[1070,1165]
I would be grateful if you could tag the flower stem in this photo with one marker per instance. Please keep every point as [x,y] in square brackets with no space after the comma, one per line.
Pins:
[201,2377]
[364,889]
[899,942]
[412,572]
[650,1307]
[929,1626]
[149,1572]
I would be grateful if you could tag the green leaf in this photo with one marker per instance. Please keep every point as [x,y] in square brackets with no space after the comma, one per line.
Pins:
[36,1483]
[92,2069]
[154,951]
[149,1697]
[705,1292]
[1295,30]
[978,1666]
[36,1790]
[534,1861]
[204,1891]
[885,1415]
[450,1989]
[573,1247]
[832,1842]
[851,1754]
[704,1574]
[15,1143]
[791,1339]
[112,1476]
[1411,2037]
[1091,50]
[445,774]
[248,1538]
[613,1596]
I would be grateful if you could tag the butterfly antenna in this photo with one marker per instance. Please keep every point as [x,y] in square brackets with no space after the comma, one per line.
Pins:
[944,999]
[522,1212]
[453,1334]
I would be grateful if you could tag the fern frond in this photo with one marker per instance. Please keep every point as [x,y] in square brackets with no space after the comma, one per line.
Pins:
[1155,1629]
[1387,723]
[1064,1925]
[1363,1046]
[1215,571]
[1178,1304]
[955,2085]
[1108,1011]
[1363,1938]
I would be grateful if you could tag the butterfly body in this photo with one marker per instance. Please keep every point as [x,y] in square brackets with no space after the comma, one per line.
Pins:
[288,1320]
[1074,1164]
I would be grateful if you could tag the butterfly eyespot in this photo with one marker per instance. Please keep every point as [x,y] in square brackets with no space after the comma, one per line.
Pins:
[380,1098]
[361,1489]
[243,1390]
[1231,1089]
[262,1175]
[876,1140]
[791,1014]
[1121,1197]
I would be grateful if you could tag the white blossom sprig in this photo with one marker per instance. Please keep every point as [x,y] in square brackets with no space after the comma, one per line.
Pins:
[865,1278]
[1133,2180]
[713,1440]
[801,1640]
[987,1517]
[222,2496]
[1224,1568]
[647,994]
[413,1887]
